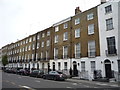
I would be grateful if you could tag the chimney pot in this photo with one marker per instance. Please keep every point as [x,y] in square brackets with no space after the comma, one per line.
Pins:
[77,10]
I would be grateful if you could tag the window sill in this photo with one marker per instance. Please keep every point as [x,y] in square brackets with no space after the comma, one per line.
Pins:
[106,13]
[110,29]
[90,34]
[65,40]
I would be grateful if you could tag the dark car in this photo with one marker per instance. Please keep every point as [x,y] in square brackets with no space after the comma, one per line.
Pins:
[8,70]
[23,72]
[36,73]
[14,70]
[20,71]
[55,75]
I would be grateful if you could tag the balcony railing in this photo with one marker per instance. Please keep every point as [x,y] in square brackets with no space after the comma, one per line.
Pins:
[111,52]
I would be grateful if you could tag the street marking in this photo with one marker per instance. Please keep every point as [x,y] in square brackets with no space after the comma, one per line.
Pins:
[114,85]
[74,83]
[37,81]
[101,84]
[27,87]
[68,87]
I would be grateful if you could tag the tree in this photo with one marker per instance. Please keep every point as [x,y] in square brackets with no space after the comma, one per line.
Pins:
[4,60]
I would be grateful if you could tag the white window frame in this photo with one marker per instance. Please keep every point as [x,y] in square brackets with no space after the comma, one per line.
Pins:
[29,47]
[108,9]
[47,55]
[43,35]
[65,36]
[56,38]
[32,56]
[91,28]
[41,55]
[23,50]
[56,52]
[48,43]
[91,48]
[38,36]
[90,16]
[109,24]
[26,48]
[65,25]
[38,45]
[48,33]
[77,50]
[56,28]
[77,33]
[26,40]
[65,51]
[42,44]
[77,21]
[30,39]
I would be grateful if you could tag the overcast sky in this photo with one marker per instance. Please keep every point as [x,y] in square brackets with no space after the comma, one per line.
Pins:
[21,18]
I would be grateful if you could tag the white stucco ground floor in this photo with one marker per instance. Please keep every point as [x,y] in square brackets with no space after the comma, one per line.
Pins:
[89,68]
[85,68]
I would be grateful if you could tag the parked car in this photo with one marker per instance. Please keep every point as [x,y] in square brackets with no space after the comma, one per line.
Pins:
[8,70]
[36,73]
[23,72]
[14,70]
[55,75]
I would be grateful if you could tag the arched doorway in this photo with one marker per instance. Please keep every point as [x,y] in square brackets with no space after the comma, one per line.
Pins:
[53,66]
[75,71]
[108,71]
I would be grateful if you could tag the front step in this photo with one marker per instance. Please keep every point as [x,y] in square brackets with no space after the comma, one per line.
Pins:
[112,80]
[102,79]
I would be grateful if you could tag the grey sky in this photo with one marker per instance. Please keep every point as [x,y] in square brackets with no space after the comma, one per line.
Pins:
[21,18]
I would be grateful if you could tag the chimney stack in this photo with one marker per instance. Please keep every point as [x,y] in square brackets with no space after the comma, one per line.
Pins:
[103,1]
[77,10]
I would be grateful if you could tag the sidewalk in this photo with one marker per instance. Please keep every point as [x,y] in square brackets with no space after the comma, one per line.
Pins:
[78,80]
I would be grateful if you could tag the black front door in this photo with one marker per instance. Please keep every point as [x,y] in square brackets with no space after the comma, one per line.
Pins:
[75,71]
[53,67]
[108,71]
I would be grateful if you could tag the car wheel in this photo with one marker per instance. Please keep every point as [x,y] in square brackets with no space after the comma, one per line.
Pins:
[44,77]
[55,78]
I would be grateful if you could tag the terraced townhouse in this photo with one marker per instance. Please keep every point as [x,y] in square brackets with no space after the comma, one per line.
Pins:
[87,43]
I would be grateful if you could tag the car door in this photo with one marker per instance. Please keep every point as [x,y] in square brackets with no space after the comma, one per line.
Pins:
[36,73]
[50,75]
[53,75]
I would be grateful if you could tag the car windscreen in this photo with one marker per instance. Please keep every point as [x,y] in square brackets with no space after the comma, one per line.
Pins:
[60,72]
